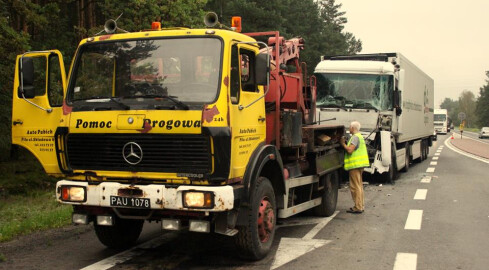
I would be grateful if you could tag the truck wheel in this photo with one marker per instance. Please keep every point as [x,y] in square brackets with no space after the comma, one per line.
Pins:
[329,195]
[255,239]
[407,159]
[427,148]
[124,233]
[392,174]
[424,151]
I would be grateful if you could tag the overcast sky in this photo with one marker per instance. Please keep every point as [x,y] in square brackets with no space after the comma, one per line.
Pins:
[447,39]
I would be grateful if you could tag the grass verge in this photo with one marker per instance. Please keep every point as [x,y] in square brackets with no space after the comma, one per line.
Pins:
[34,211]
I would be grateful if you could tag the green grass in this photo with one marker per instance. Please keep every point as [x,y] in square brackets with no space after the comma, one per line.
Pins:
[27,198]
[27,213]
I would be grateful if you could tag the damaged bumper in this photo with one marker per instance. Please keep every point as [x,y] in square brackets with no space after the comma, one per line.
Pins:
[154,197]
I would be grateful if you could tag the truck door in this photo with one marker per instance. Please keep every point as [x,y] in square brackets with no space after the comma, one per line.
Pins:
[247,109]
[37,104]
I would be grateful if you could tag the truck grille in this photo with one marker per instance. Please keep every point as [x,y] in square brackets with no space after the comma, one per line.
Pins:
[160,152]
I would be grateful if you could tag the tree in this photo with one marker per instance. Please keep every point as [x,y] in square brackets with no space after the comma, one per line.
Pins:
[320,23]
[466,104]
[482,107]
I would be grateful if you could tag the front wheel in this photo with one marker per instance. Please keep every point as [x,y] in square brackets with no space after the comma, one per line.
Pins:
[329,195]
[392,174]
[124,233]
[255,239]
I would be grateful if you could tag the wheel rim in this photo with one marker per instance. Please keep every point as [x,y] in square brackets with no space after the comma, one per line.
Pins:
[266,220]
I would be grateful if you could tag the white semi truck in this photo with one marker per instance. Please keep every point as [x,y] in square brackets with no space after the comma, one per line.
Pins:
[391,98]
[441,121]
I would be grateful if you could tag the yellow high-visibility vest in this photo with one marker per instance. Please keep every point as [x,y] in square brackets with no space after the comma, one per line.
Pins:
[359,157]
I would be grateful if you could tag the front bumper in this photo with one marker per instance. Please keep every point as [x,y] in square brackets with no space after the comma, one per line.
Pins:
[161,196]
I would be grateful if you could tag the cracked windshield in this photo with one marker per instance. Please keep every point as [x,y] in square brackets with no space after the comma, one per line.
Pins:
[354,91]
[147,72]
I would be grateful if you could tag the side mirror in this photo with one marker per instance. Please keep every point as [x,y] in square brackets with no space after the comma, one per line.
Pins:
[26,86]
[262,63]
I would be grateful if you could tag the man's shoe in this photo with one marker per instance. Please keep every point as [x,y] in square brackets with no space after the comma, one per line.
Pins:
[354,211]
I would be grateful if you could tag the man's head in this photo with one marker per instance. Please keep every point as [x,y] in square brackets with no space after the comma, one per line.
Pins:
[354,127]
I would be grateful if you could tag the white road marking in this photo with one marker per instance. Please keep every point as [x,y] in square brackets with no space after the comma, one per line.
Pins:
[420,194]
[320,226]
[292,248]
[426,179]
[436,158]
[413,221]
[433,163]
[438,151]
[449,145]
[430,169]
[130,253]
[406,261]
[437,154]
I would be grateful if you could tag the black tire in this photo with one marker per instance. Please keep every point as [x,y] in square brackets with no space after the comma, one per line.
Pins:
[123,234]
[424,147]
[427,148]
[392,174]
[407,159]
[254,240]
[329,195]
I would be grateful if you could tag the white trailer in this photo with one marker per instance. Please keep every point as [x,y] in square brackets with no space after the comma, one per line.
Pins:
[391,98]
[441,121]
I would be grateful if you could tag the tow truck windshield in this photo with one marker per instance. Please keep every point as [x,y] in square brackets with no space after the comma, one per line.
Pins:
[355,91]
[144,74]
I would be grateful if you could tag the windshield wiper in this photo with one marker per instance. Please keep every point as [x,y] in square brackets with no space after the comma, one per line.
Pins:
[122,105]
[172,98]
[365,105]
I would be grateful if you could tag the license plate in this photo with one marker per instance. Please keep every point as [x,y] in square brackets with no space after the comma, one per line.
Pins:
[129,202]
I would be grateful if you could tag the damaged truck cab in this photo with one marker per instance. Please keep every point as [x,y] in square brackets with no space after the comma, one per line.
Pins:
[186,127]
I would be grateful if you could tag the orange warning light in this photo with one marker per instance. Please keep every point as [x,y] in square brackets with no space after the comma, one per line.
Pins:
[156,26]
[236,23]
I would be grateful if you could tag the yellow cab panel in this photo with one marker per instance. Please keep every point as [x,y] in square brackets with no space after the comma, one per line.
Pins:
[37,105]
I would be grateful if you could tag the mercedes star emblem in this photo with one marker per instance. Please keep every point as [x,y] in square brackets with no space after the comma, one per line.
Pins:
[132,153]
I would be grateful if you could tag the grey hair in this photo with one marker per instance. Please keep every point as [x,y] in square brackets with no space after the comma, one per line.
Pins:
[355,125]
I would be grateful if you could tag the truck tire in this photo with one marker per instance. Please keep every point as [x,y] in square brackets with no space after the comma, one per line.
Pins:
[255,239]
[424,150]
[407,159]
[124,233]
[392,174]
[329,195]
[427,149]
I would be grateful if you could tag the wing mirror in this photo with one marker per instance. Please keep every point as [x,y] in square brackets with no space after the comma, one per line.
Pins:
[26,87]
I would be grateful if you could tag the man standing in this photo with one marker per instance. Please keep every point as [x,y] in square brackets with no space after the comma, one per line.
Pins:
[356,158]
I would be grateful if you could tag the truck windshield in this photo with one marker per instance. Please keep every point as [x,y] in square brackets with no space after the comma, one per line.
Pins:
[137,72]
[440,117]
[356,91]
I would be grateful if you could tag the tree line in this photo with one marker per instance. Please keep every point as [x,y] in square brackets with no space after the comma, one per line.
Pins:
[476,109]
[61,24]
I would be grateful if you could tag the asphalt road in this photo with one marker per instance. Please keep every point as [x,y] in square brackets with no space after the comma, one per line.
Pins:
[434,217]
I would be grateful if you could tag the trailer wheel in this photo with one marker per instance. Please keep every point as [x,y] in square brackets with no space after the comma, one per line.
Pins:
[424,154]
[329,195]
[427,149]
[124,233]
[407,158]
[255,239]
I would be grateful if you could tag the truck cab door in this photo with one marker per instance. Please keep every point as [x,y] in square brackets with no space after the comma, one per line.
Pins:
[247,109]
[39,90]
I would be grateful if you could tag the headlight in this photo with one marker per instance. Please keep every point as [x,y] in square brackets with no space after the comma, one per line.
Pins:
[198,199]
[73,194]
